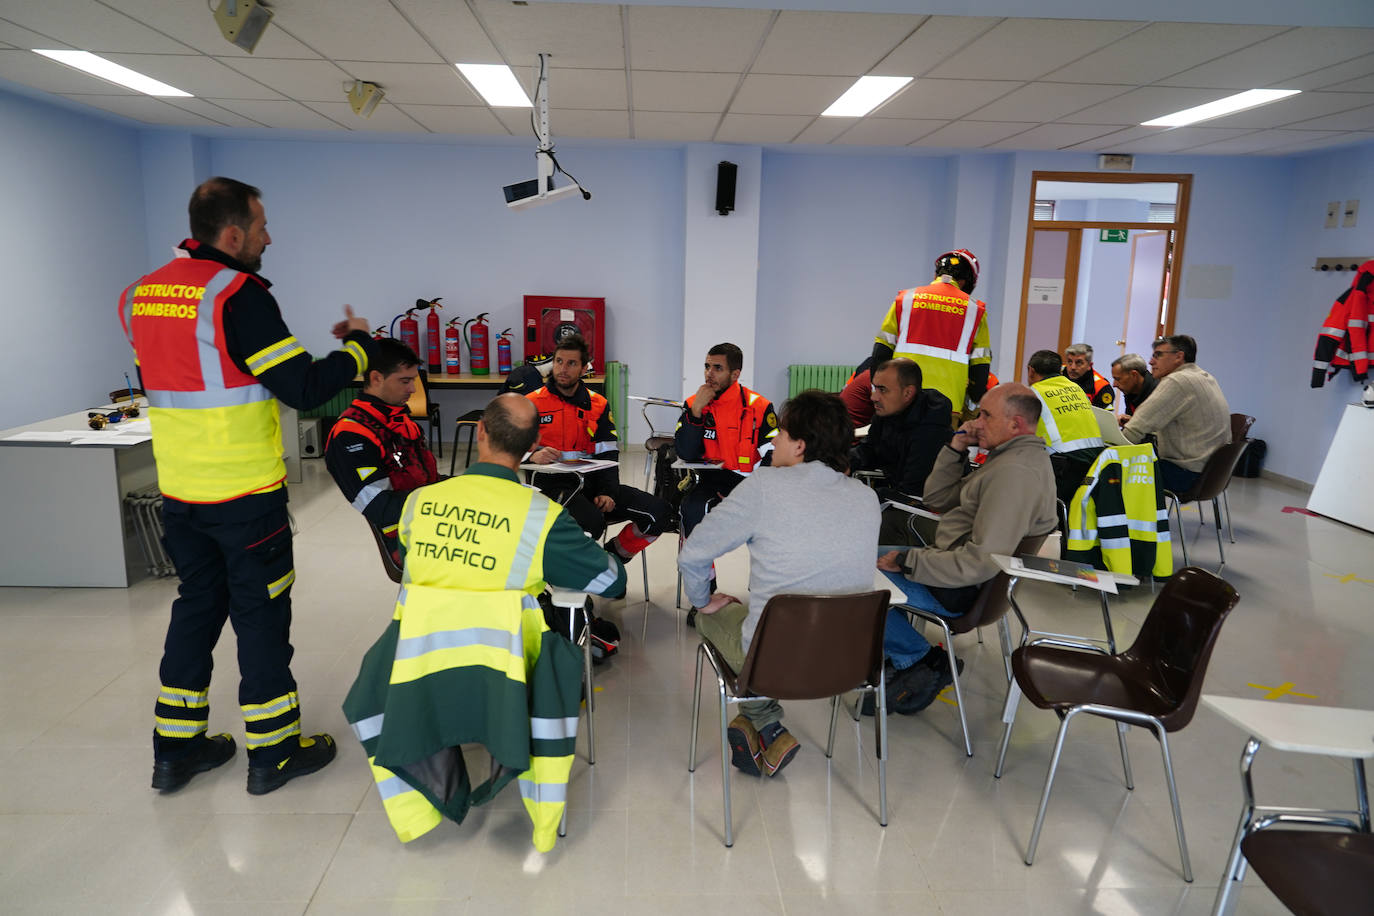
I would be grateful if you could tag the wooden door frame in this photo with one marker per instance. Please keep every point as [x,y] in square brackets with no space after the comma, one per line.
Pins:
[1130,273]
[1174,253]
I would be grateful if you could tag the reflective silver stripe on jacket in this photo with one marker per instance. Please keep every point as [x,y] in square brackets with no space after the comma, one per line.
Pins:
[503,640]
[370,727]
[370,492]
[553,729]
[529,543]
[537,792]
[213,397]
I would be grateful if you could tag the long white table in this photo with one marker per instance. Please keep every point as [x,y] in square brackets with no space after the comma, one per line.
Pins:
[65,523]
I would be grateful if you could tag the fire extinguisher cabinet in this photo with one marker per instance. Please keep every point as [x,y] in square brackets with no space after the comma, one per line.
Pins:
[548,319]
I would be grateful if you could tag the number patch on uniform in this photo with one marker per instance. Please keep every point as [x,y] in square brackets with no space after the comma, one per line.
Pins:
[545,418]
[708,434]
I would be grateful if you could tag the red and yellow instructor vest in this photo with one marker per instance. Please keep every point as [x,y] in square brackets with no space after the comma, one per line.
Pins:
[216,431]
[944,330]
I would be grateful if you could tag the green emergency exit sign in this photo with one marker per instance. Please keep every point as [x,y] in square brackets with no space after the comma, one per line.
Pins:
[1114,235]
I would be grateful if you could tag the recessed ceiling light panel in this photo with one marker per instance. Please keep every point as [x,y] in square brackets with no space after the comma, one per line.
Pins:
[867,93]
[112,72]
[1221,107]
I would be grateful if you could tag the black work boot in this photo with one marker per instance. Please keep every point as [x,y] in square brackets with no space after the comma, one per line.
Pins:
[313,754]
[170,775]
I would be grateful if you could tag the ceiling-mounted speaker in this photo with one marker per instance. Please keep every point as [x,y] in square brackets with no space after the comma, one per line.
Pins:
[242,22]
[725,187]
[364,98]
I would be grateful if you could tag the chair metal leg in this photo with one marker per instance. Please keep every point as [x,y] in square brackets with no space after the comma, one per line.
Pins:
[1216,516]
[1004,634]
[958,688]
[644,567]
[881,711]
[1173,799]
[1002,752]
[563,822]
[1362,794]
[1226,504]
[696,710]
[1182,536]
[725,768]
[1234,873]
[1121,729]
[591,692]
[834,717]
[1049,785]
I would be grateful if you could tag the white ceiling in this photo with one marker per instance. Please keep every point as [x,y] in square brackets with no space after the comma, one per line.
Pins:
[670,73]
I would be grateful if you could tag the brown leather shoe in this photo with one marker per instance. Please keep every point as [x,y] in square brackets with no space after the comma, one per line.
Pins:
[745,746]
[779,747]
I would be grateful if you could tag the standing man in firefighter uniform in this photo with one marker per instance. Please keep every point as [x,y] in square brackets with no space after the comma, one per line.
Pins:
[576,422]
[1078,368]
[214,355]
[943,328]
[376,452]
[723,423]
[1067,424]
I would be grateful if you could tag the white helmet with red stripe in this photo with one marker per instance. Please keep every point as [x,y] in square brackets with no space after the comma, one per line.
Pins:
[961,265]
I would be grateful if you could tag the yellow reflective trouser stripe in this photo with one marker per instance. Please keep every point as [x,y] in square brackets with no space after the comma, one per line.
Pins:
[255,740]
[180,728]
[257,712]
[180,696]
[274,589]
[544,789]
[355,350]
[410,813]
[274,355]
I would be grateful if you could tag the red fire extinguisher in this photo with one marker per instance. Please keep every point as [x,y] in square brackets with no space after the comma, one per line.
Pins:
[453,347]
[477,345]
[410,329]
[431,331]
[503,352]
[379,332]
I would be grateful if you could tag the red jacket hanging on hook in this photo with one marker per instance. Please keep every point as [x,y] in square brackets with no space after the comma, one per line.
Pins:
[1344,342]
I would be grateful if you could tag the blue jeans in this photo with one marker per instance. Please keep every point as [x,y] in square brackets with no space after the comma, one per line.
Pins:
[902,643]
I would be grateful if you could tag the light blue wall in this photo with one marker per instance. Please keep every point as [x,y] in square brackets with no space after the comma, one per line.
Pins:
[840,236]
[71,237]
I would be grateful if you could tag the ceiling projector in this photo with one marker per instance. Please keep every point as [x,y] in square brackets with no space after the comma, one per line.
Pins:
[540,190]
[525,194]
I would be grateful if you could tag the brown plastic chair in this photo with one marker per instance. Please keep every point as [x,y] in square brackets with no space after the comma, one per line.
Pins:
[1315,873]
[991,606]
[1154,684]
[393,571]
[1240,431]
[806,647]
[1211,484]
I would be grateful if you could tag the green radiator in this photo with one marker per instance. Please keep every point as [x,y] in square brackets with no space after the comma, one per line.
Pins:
[334,406]
[617,386]
[826,378]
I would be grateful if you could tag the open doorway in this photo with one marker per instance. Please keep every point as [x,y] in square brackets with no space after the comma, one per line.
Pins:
[1102,252]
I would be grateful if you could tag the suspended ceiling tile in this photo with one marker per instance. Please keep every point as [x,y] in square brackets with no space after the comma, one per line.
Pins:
[286,115]
[359,30]
[826,130]
[455,119]
[613,125]
[589,89]
[1176,140]
[1344,139]
[1269,63]
[23,38]
[212,110]
[193,24]
[661,90]
[1160,49]
[937,39]
[90,26]
[1295,109]
[1355,76]
[1026,49]
[694,39]
[304,80]
[831,44]
[1114,139]
[753,128]
[1054,136]
[197,74]
[973,133]
[576,34]
[1046,101]
[387,118]
[451,27]
[419,84]
[144,108]
[788,95]
[1359,119]
[30,69]
[944,99]
[1265,140]
[888,131]
[1143,104]
[680,126]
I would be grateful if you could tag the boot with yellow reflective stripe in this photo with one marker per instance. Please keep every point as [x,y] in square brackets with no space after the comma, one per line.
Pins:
[205,754]
[314,753]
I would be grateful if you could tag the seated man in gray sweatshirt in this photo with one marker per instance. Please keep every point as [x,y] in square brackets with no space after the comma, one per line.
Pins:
[810,530]
[983,512]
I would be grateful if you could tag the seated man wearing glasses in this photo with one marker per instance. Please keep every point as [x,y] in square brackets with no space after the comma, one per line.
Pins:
[1186,413]
[810,529]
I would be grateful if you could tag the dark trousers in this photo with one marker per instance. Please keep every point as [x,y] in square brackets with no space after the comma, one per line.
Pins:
[652,514]
[238,570]
[711,487]
[1176,479]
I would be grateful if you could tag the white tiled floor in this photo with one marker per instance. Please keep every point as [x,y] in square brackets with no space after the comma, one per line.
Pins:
[80,831]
